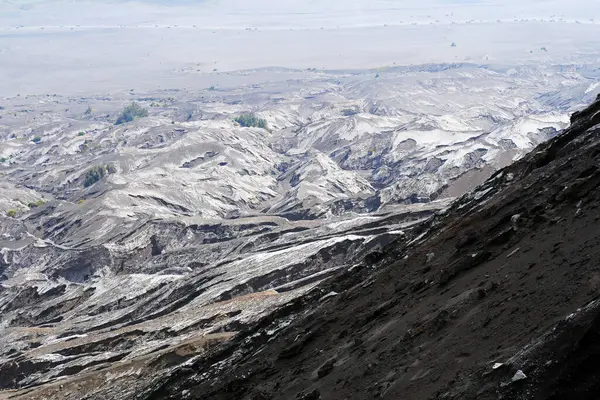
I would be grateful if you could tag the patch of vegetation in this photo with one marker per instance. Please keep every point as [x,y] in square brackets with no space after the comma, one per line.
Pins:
[212,88]
[81,133]
[131,112]
[36,139]
[98,172]
[2,160]
[251,121]
[111,169]
[11,213]
[38,203]
[94,175]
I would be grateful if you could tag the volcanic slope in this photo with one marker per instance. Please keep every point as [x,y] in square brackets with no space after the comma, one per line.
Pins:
[497,298]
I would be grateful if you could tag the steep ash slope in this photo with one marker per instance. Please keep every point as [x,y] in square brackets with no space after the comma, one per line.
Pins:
[506,280]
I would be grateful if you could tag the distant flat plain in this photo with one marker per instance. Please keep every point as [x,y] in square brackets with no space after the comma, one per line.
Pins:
[76,48]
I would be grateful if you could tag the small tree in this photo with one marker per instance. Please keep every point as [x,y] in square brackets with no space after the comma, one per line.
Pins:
[131,112]
[36,140]
[94,175]
[251,121]
[98,172]
[11,213]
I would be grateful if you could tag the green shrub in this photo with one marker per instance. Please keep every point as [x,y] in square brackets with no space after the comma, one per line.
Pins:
[38,203]
[11,213]
[251,121]
[36,139]
[2,160]
[94,175]
[131,112]
[98,172]
[80,133]
[111,169]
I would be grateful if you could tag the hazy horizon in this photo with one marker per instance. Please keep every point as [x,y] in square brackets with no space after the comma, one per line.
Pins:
[285,13]
[84,46]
